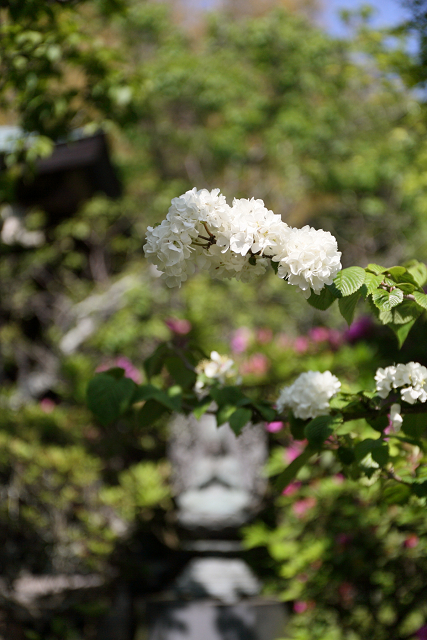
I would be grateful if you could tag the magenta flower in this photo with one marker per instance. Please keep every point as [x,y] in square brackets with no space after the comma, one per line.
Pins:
[178,325]
[264,335]
[293,451]
[123,363]
[273,427]
[411,542]
[360,329]
[422,633]
[291,488]
[47,405]
[300,507]
[300,606]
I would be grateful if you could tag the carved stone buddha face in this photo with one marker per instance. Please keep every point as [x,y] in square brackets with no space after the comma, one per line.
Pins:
[217,477]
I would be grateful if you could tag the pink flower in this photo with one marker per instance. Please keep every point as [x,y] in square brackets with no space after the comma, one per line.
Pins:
[301,344]
[240,340]
[360,329]
[178,325]
[300,606]
[274,427]
[47,405]
[293,450]
[319,334]
[411,541]
[335,338]
[264,335]
[258,365]
[291,488]
[339,478]
[300,507]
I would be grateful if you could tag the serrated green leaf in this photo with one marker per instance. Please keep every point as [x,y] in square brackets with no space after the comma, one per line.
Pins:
[386,300]
[347,306]
[372,282]
[406,287]
[419,272]
[109,397]
[420,298]
[347,281]
[414,424]
[239,419]
[396,272]
[406,312]
[318,429]
[291,470]
[375,268]
[323,300]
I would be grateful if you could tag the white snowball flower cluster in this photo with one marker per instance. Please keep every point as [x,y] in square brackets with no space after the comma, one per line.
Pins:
[309,395]
[411,378]
[238,241]
[220,369]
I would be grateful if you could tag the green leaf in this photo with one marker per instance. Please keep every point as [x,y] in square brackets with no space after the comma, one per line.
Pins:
[386,300]
[320,428]
[224,413]
[414,424]
[345,455]
[347,306]
[379,423]
[154,364]
[372,282]
[323,300]
[291,470]
[421,299]
[180,372]
[419,489]
[150,412]
[406,312]
[200,409]
[109,397]
[366,446]
[297,427]
[419,271]
[348,281]
[150,392]
[265,409]
[401,331]
[375,268]
[406,287]
[240,419]
[396,273]
[229,395]
[381,454]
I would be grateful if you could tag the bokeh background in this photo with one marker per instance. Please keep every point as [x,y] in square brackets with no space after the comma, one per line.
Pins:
[324,118]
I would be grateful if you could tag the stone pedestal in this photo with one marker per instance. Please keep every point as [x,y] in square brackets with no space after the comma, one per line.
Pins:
[249,619]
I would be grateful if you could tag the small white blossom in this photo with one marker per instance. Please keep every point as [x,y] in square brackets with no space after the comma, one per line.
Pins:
[309,395]
[395,417]
[411,378]
[220,369]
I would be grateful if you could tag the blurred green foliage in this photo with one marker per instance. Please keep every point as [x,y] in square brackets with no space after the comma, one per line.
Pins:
[328,133]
